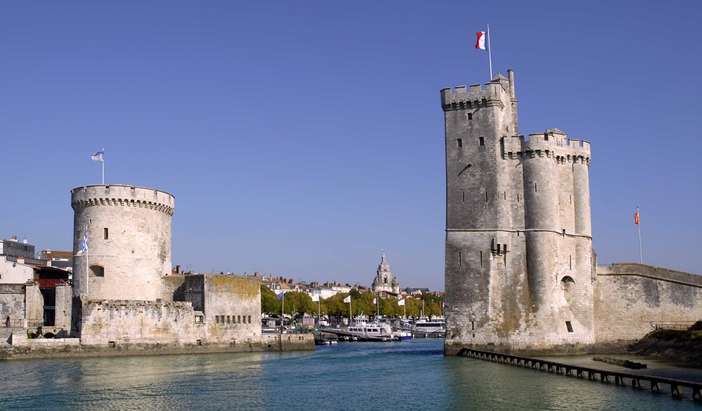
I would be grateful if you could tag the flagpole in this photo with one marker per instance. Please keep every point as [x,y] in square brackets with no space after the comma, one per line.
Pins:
[103,166]
[87,266]
[489,50]
[638,227]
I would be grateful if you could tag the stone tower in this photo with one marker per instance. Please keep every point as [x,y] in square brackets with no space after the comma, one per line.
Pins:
[129,242]
[518,266]
[385,280]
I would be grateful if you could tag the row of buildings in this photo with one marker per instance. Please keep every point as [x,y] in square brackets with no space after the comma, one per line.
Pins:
[385,284]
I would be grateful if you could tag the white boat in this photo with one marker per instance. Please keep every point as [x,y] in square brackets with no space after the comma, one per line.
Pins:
[364,331]
[434,327]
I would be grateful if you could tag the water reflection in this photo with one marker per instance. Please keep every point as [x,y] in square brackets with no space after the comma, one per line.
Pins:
[369,376]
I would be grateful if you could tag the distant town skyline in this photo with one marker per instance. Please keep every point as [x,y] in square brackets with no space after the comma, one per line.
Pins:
[301,140]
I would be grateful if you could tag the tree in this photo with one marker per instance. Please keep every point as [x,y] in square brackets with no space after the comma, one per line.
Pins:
[297,302]
[269,301]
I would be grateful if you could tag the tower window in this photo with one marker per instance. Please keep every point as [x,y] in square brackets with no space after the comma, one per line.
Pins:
[106,233]
[535,188]
[569,326]
[470,116]
[459,141]
[460,259]
[482,141]
[463,194]
[545,136]
[570,261]
[486,196]
[97,270]
[481,258]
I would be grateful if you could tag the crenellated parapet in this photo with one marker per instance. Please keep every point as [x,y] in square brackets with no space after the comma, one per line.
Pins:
[117,195]
[553,144]
[494,93]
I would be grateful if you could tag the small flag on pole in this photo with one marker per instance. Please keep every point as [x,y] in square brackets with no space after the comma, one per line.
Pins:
[348,299]
[315,298]
[401,302]
[637,217]
[375,301]
[480,40]
[98,156]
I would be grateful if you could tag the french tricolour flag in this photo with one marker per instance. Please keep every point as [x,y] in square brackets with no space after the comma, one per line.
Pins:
[480,40]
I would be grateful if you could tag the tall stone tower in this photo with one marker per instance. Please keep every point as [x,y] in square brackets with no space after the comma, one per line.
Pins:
[518,266]
[129,242]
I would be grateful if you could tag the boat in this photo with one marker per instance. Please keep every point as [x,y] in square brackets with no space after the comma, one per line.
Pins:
[403,335]
[429,328]
[364,331]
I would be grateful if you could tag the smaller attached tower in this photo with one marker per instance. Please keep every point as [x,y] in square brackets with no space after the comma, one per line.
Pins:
[128,233]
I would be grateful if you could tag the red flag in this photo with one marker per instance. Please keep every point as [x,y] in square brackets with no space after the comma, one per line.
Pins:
[636,216]
[480,40]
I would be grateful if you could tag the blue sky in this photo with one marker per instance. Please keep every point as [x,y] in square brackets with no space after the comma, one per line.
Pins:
[301,138]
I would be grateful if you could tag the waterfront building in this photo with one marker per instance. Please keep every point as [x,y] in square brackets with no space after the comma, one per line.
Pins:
[520,270]
[125,291]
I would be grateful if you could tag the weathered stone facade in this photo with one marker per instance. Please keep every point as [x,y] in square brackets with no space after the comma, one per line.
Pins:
[520,269]
[129,241]
[132,297]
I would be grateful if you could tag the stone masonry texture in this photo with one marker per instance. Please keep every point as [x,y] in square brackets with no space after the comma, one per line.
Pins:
[520,270]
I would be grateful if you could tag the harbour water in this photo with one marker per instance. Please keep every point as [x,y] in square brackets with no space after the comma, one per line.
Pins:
[351,376]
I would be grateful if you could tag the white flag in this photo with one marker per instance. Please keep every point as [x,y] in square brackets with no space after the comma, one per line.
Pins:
[98,156]
[315,298]
[401,302]
[375,301]
[83,246]
[348,299]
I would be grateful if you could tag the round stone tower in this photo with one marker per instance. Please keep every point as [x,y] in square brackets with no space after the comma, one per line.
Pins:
[127,233]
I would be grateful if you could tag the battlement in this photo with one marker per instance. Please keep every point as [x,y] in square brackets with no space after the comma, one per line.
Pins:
[552,143]
[493,93]
[123,196]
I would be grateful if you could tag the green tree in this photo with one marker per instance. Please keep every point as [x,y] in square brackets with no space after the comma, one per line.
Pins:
[297,302]
[269,301]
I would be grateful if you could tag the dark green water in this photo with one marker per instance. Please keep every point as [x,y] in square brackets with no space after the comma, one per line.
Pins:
[354,376]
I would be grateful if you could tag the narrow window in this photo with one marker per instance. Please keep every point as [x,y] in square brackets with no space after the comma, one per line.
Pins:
[482,141]
[217,319]
[463,194]
[472,325]
[486,196]
[570,261]
[504,194]
[460,259]
[570,199]
[228,320]
[535,188]
[459,141]
[504,248]
[249,319]
[238,319]
[97,270]
[517,197]
[569,326]
[106,233]
[564,232]
[481,258]
[545,137]
[470,116]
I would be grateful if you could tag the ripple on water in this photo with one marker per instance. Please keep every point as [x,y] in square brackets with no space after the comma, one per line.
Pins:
[411,375]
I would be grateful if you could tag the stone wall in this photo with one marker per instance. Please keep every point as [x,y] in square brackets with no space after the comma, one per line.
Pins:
[11,305]
[232,307]
[34,306]
[62,317]
[129,238]
[632,299]
[139,322]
